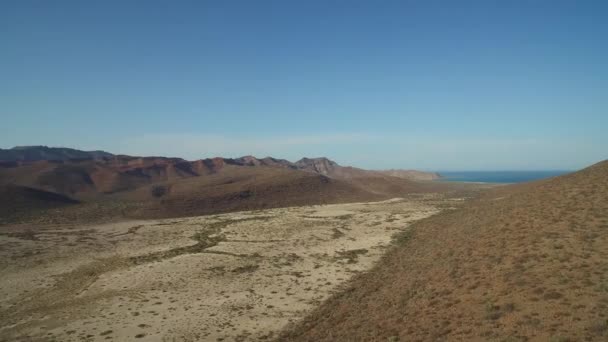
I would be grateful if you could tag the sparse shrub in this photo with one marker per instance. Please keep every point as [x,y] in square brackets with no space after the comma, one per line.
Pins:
[494,312]
[158,191]
[336,233]
[245,269]
[559,339]
[552,295]
[351,256]
[402,238]
[599,328]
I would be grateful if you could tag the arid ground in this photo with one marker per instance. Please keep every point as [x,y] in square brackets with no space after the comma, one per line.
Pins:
[236,276]
[525,262]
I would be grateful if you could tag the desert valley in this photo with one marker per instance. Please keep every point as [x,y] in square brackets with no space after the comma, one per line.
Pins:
[304,171]
[101,247]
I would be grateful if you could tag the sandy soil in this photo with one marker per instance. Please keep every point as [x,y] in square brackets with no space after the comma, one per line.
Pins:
[230,277]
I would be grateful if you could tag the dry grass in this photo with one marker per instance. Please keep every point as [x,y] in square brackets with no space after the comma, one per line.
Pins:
[527,262]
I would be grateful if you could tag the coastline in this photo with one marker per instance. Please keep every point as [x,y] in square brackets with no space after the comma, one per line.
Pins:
[498,177]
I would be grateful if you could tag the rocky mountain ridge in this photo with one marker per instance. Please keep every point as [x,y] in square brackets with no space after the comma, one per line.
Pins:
[94,187]
[178,167]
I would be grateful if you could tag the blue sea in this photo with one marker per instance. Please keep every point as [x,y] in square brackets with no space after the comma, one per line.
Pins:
[498,176]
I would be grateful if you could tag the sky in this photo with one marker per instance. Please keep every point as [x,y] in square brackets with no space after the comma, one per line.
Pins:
[431,85]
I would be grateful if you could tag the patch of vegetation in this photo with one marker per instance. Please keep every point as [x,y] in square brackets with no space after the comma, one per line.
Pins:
[336,233]
[285,259]
[206,237]
[494,312]
[391,219]
[351,256]
[167,223]
[158,191]
[245,269]
[552,295]
[559,339]
[23,235]
[224,223]
[599,328]
[217,269]
[403,237]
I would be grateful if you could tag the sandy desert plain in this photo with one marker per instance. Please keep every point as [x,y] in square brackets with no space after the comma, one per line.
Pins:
[227,277]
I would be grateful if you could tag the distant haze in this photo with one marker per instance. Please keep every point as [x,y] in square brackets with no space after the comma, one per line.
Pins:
[441,85]
[498,176]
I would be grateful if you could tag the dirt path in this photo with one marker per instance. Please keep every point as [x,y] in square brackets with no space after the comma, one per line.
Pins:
[239,276]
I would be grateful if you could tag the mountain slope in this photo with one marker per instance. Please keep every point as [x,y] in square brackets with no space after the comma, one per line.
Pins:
[237,188]
[234,188]
[91,178]
[118,186]
[330,168]
[523,262]
[131,187]
[18,200]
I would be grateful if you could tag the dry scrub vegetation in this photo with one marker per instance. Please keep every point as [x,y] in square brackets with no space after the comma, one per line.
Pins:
[527,262]
[239,276]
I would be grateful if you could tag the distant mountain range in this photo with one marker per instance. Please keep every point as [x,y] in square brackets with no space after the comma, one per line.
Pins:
[322,165]
[48,177]
[35,153]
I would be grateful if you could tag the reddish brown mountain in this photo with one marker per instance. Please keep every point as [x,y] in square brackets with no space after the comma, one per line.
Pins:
[160,186]
[86,177]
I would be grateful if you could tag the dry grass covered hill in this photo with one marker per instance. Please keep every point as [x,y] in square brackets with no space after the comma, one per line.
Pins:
[16,199]
[527,262]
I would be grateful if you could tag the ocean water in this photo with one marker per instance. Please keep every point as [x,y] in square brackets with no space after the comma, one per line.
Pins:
[498,176]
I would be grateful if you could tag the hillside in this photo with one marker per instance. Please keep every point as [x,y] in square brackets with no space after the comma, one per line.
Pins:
[523,262]
[330,168]
[237,188]
[16,200]
[118,186]
[89,178]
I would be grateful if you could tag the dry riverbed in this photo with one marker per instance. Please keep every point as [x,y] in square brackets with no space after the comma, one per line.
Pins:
[231,277]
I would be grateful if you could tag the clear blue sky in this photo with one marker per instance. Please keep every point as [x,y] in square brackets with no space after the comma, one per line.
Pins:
[439,85]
